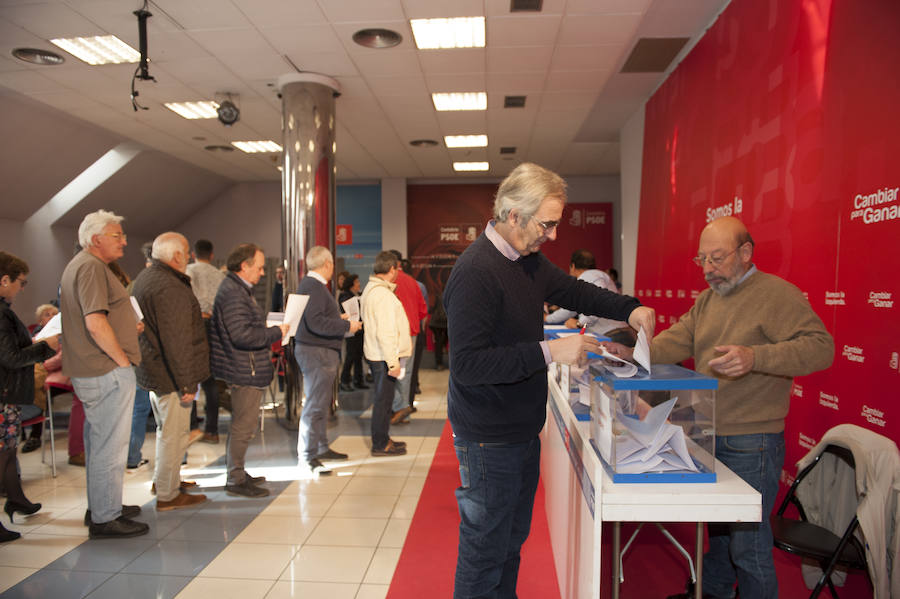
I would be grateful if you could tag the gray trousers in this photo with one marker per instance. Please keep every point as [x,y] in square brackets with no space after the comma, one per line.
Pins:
[244,421]
[173,422]
[319,366]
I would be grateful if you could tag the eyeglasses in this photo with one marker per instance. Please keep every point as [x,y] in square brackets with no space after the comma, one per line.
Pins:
[116,236]
[715,261]
[547,224]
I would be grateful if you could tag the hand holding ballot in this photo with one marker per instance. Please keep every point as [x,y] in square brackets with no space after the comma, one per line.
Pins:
[573,349]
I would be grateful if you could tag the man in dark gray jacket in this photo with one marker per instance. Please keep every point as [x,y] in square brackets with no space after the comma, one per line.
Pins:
[174,361]
[319,338]
[239,345]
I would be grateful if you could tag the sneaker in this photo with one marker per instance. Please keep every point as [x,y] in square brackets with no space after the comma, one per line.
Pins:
[128,511]
[119,528]
[182,500]
[139,465]
[317,467]
[184,486]
[390,449]
[332,455]
[211,438]
[77,459]
[246,489]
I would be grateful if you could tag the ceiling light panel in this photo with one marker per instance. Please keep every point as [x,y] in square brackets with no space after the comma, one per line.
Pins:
[466,141]
[194,110]
[105,49]
[461,32]
[470,166]
[254,147]
[460,101]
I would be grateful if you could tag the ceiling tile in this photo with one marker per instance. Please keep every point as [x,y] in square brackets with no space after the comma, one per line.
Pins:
[281,13]
[48,21]
[522,29]
[519,59]
[459,60]
[198,15]
[607,7]
[362,11]
[586,58]
[577,80]
[587,30]
[441,9]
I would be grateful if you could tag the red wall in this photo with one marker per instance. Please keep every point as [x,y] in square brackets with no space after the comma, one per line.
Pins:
[785,114]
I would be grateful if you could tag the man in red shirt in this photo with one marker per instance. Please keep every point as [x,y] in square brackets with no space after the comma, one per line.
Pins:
[410,296]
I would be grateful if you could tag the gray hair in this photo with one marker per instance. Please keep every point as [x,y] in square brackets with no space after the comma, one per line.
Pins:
[93,224]
[167,244]
[524,189]
[317,256]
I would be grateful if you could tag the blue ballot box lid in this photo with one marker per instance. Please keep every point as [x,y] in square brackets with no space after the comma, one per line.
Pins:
[556,331]
[664,377]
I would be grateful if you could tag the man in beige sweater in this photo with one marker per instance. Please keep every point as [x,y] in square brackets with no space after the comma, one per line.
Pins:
[754,332]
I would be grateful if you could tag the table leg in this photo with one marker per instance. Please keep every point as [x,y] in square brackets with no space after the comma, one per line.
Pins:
[698,587]
[616,552]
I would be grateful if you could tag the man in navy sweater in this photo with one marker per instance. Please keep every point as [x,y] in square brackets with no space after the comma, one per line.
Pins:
[498,370]
[317,347]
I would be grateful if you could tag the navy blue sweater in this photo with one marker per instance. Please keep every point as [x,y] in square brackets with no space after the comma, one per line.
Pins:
[321,324]
[498,378]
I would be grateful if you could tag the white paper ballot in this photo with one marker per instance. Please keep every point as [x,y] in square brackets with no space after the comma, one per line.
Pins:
[653,444]
[293,312]
[351,307]
[403,362]
[273,319]
[53,327]
[642,350]
[137,308]
[616,365]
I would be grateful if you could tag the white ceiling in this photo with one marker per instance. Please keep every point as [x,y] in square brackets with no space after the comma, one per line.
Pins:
[565,59]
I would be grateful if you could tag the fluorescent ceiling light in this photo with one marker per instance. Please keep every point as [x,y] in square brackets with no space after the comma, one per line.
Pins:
[466,141]
[194,110]
[471,166]
[460,101]
[461,32]
[252,147]
[105,49]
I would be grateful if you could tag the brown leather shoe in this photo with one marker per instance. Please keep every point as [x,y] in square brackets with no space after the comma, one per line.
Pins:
[184,486]
[182,500]
[400,415]
[77,459]
[195,435]
[211,438]
[390,449]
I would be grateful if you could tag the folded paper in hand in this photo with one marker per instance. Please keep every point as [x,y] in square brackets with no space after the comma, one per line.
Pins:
[293,312]
[53,327]
[652,444]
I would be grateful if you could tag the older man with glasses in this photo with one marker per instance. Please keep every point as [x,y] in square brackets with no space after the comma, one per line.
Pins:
[754,332]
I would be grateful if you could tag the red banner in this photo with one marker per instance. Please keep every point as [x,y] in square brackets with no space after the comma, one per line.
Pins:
[766,119]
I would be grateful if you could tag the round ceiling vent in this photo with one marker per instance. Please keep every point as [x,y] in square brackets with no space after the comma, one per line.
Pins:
[377,38]
[219,148]
[423,143]
[38,56]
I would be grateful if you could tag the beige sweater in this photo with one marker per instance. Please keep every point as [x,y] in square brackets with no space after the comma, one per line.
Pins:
[772,317]
[386,331]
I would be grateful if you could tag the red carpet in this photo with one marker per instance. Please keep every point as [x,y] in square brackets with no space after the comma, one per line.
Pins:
[428,560]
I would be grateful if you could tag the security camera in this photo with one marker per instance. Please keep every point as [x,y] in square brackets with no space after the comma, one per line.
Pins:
[228,113]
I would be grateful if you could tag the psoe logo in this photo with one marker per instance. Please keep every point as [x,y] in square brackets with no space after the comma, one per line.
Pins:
[873,416]
[881,299]
[835,298]
[806,442]
[576,219]
[854,354]
[797,390]
[895,361]
[828,400]
[595,218]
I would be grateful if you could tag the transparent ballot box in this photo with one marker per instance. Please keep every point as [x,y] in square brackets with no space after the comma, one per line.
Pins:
[573,382]
[655,428]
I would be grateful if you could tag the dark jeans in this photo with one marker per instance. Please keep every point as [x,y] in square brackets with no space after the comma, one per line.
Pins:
[211,391]
[353,359]
[440,340]
[418,350]
[495,498]
[381,406]
[139,415]
[742,552]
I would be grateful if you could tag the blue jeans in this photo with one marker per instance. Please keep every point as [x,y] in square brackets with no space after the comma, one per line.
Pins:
[381,404]
[139,415]
[495,498]
[401,390]
[742,552]
[108,402]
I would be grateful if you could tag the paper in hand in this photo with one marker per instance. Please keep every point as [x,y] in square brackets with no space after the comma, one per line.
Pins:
[53,327]
[293,312]
[616,365]
[642,350]
[137,308]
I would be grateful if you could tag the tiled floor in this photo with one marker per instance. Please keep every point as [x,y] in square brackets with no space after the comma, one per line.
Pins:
[333,537]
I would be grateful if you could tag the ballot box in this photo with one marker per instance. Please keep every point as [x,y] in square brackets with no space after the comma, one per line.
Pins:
[657,427]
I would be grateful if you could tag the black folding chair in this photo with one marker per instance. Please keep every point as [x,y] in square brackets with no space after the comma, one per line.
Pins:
[808,540]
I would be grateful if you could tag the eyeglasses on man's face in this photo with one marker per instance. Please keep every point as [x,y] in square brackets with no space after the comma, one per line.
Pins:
[117,236]
[547,225]
[715,261]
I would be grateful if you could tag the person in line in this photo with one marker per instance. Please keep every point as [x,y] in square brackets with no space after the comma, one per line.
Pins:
[317,348]
[140,413]
[754,332]
[352,370]
[18,355]
[42,315]
[205,281]
[437,322]
[497,396]
[584,268]
[239,343]
[175,360]
[100,350]
[410,296]
[386,342]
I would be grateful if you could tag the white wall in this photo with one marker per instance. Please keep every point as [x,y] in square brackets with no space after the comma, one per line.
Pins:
[393,215]
[631,139]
